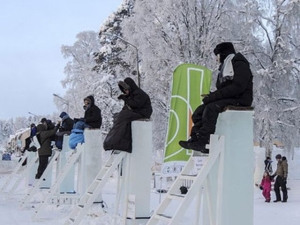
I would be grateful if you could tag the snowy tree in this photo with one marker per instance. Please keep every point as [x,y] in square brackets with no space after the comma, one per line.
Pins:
[278,77]
[169,33]
[83,78]
[152,38]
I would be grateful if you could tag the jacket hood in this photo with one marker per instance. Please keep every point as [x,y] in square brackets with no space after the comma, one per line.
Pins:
[91,99]
[40,128]
[63,114]
[240,57]
[225,48]
[131,84]
[123,86]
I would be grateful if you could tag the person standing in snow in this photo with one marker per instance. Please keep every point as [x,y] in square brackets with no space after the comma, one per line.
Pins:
[234,87]
[265,186]
[281,177]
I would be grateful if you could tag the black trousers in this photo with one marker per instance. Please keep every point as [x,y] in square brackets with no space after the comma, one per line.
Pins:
[205,117]
[279,182]
[119,137]
[43,162]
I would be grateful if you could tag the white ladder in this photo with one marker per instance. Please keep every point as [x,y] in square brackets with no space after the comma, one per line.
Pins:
[36,185]
[184,200]
[53,192]
[20,176]
[93,191]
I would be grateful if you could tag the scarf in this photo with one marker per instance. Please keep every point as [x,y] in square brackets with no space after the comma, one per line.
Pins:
[226,72]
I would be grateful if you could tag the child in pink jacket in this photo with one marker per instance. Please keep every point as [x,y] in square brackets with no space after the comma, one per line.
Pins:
[266,186]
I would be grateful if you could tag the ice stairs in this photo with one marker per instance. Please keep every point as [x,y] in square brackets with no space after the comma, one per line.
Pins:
[53,192]
[36,185]
[95,188]
[182,201]
[18,174]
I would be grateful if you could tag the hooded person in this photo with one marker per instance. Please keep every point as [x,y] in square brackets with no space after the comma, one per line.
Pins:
[45,151]
[234,87]
[66,122]
[92,114]
[137,105]
[65,129]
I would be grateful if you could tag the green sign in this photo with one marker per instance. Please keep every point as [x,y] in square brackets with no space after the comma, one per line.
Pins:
[189,83]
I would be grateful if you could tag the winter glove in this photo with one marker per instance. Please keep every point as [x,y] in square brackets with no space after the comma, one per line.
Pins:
[272,177]
[261,187]
[213,96]
[123,97]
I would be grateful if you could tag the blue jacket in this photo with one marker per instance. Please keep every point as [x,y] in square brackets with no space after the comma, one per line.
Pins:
[76,137]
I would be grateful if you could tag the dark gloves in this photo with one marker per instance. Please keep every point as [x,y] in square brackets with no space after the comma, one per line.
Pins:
[123,97]
[261,187]
[57,125]
[213,96]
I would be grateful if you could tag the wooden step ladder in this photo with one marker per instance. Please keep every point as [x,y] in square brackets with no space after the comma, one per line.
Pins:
[18,174]
[95,188]
[53,192]
[182,201]
[36,185]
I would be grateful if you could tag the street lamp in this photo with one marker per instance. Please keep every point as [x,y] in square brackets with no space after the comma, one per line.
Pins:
[137,56]
[36,117]
[32,114]
[64,101]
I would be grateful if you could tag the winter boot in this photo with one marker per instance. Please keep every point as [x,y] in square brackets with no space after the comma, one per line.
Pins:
[198,145]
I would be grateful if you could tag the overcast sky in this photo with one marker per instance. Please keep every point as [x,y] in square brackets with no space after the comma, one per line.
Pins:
[31,63]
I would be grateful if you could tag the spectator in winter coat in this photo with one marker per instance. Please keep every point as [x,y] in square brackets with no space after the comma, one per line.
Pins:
[76,135]
[45,151]
[265,186]
[32,130]
[66,122]
[92,114]
[280,182]
[65,129]
[234,87]
[137,105]
[29,139]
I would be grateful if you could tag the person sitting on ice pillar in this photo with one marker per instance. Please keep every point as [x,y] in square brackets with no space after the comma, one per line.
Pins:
[234,87]
[137,105]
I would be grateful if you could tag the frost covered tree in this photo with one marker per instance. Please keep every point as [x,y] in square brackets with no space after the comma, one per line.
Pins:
[169,33]
[160,35]
[277,104]
[83,78]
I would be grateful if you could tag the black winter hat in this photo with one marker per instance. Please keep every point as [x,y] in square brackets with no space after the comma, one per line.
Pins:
[224,48]
[278,156]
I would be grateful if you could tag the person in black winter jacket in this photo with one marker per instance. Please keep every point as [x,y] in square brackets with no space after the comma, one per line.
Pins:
[65,129]
[234,87]
[137,105]
[66,122]
[92,114]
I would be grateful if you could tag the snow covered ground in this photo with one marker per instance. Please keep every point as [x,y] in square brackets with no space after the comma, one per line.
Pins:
[12,214]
